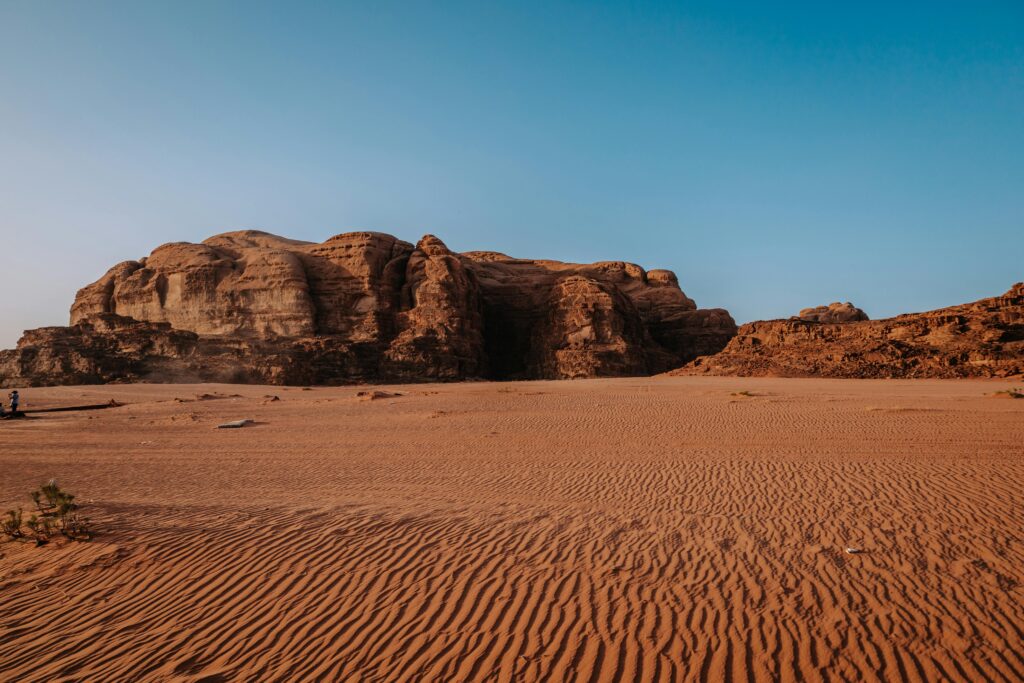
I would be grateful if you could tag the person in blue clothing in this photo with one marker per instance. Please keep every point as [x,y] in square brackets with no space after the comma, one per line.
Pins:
[14,401]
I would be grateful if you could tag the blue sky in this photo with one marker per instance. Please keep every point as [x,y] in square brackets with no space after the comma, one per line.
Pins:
[775,155]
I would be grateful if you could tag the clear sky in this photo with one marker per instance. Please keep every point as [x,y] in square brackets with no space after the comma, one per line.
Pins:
[775,155]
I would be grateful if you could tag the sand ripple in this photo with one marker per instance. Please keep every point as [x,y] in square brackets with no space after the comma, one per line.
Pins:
[624,530]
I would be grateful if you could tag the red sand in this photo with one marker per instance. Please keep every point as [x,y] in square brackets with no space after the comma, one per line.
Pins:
[632,529]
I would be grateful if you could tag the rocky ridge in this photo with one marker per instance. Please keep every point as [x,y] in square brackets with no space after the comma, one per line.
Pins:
[253,307]
[980,339]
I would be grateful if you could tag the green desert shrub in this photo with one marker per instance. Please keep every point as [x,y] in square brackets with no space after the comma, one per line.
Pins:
[47,496]
[10,525]
[57,512]
[42,528]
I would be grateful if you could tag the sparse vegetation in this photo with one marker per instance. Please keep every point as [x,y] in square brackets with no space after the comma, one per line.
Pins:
[743,393]
[11,524]
[57,512]
[42,528]
[47,496]
[1011,393]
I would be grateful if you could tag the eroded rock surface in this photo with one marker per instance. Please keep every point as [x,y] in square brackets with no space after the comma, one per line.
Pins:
[980,339]
[833,313]
[253,307]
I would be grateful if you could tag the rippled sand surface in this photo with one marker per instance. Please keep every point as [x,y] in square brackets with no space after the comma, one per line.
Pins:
[633,529]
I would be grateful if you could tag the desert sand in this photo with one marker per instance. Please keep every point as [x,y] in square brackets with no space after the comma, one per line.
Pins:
[667,528]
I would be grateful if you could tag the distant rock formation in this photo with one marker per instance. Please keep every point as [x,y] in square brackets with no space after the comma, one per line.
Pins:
[980,339]
[253,307]
[833,313]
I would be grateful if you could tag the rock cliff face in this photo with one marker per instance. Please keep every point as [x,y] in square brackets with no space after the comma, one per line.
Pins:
[253,307]
[980,339]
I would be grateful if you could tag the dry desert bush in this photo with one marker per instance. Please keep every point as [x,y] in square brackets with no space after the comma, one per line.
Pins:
[56,511]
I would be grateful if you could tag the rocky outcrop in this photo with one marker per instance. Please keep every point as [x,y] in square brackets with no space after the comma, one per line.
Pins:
[438,320]
[833,313]
[589,327]
[980,339]
[553,319]
[102,348]
[253,307]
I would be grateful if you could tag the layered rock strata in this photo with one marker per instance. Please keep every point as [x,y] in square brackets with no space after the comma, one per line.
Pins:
[253,307]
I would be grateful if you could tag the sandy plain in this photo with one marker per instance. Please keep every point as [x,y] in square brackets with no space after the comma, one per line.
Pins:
[630,529]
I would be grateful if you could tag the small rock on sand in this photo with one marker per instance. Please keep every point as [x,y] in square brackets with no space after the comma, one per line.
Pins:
[237,424]
[376,395]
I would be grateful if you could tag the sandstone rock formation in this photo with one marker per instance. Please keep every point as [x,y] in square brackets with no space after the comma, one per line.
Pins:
[980,339]
[253,307]
[833,313]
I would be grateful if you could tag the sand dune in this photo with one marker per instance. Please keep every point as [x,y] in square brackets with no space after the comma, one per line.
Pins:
[632,529]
